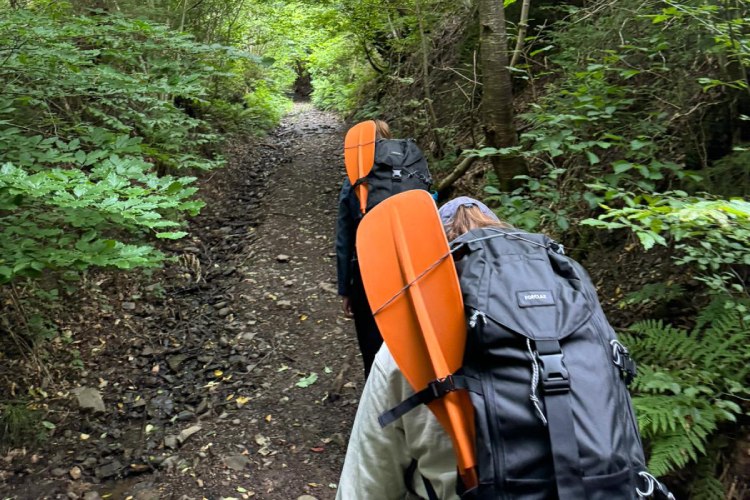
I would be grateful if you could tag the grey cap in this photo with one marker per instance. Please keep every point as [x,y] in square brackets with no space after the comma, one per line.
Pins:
[448,210]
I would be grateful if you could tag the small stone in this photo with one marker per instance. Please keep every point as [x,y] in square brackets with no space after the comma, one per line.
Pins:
[108,470]
[90,399]
[236,462]
[75,473]
[58,472]
[237,359]
[306,497]
[175,361]
[224,311]
[128,306]
[147,494]
[248,336]
[289,283]
[171,441]
[282,258]
[236,421]
[186,433]
[284,304]
[328,287]
[91,495]
[170,462]
[185,415]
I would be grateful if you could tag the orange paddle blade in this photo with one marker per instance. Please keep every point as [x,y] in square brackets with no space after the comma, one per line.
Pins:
[413,289]
[359,156]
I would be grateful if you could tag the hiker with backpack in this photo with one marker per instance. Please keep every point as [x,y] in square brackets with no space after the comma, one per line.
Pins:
[398,165]
[545,374]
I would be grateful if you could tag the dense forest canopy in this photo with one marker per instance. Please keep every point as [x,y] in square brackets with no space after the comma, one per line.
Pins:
[615,125]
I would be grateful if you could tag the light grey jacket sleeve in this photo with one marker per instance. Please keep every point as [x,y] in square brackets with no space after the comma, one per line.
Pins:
[376,459]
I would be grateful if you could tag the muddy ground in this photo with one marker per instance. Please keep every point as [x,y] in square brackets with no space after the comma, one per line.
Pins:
[229,374]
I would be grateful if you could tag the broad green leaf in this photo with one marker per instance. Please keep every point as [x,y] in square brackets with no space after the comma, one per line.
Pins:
[307,381]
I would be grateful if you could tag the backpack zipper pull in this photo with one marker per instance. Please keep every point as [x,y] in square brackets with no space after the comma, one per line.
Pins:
[475,316]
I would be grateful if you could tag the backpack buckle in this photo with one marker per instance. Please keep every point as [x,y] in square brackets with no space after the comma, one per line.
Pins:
[442,386]
[555,378]
[622,360]
[396,175]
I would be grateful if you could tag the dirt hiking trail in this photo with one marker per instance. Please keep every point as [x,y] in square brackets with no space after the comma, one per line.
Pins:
[232,372]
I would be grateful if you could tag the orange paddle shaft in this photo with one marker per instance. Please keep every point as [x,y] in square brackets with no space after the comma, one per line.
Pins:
[463,442]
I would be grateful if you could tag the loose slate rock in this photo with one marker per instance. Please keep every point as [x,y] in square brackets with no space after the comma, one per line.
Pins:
[186,433]
[90,399]
[236,462]
[282,258]
[59,472]
[108,470]
[171,441]
[175,361]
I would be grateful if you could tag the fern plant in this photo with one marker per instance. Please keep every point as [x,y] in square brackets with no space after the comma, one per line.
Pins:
[688,384]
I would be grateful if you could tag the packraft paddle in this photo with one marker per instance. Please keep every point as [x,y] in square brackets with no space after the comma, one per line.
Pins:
[359,157]
[412,286]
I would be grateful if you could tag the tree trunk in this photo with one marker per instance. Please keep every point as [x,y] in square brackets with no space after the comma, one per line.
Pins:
[523,26]
[426,83]
[497,93]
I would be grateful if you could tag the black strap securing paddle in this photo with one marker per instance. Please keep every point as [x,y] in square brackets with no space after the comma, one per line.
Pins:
[434,390]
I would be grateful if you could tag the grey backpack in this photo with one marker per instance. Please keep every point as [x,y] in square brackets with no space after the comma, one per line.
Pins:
[546,375]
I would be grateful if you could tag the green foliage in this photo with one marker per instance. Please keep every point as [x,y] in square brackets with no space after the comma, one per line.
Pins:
[710,234]
[265,107]
[607,126]
[654,293]
[20,424]
[688,384]
[94,112]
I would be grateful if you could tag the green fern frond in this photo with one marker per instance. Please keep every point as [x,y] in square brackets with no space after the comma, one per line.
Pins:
[706,486]
[686,385]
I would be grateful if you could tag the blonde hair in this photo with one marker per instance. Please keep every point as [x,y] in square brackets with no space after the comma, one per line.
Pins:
[382,130]
[467,218]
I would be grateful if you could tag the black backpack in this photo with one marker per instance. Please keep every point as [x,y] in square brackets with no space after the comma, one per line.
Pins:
[546,375]
[399,166]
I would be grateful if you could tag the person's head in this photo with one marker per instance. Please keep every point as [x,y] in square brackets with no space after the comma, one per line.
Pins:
[382,130]
[464,214]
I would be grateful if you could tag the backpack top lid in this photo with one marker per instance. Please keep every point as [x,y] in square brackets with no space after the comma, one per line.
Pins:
[397,153]
[399,166]
[512,277]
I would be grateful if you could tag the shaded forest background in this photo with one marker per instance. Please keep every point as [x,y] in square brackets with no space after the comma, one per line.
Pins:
[629,141]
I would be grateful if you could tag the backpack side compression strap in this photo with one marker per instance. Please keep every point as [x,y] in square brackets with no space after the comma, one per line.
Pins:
[556,386]
[434,390]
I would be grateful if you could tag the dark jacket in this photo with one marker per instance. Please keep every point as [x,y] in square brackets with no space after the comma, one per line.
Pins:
[348,219]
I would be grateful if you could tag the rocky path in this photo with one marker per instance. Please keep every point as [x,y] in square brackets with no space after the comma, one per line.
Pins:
[230,374]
